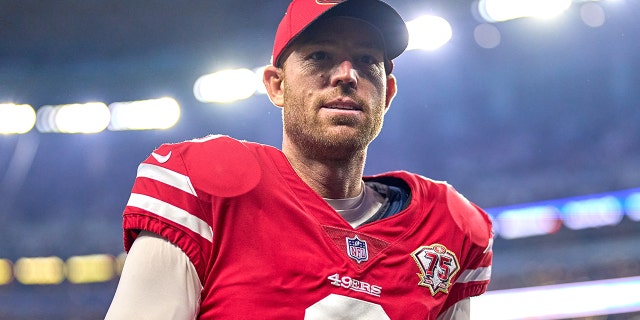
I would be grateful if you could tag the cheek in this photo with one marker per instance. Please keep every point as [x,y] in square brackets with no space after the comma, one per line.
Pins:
[309,87]
[377,82]
[378,92]
[305,85]
[314,82]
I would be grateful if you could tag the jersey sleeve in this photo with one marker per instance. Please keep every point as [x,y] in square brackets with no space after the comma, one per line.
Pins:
[164,201]
[475,272]
[176,187]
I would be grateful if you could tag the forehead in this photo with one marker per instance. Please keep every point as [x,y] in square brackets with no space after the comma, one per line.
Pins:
[341,31]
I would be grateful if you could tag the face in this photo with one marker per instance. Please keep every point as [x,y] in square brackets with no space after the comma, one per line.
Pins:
[335,91]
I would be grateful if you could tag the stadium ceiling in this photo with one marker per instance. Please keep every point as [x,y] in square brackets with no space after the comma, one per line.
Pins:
[59,31]
[53,32]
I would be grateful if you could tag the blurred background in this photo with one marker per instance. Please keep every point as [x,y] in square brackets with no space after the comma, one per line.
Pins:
[531,109]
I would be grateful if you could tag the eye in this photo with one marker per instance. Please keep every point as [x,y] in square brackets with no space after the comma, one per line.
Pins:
[368,59]
[319,56]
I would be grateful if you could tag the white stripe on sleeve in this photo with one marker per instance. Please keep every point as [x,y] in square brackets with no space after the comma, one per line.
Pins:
[166,176]
[480,274]
[172,213]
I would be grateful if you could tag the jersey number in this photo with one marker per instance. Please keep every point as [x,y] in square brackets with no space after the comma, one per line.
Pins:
[335,307]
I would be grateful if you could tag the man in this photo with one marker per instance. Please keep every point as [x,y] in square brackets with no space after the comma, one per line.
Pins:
[228,229]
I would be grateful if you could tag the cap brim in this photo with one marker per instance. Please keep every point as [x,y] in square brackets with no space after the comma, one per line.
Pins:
[383,17]
[378,14]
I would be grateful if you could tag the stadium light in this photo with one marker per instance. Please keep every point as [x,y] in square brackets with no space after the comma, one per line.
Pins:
[260,88]
[632,204]
[576,213]
[503,10]
[529,221]
[225,86]
[16,118]
[161,113]
[5,272]
[40,270]
[91,268]
[428,33]
[592,213]
[92,117]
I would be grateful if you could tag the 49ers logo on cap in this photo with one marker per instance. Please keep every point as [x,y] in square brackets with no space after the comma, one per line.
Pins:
[438,265]
[329,1]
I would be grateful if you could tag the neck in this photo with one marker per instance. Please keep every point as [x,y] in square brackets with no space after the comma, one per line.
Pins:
[330,177]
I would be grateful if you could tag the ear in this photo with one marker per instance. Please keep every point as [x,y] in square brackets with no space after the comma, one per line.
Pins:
[392,89]
[273,81]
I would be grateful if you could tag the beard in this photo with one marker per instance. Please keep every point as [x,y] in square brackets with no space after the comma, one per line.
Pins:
[339,137]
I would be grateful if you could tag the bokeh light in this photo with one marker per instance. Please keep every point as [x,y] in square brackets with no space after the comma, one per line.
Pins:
[16,118]
[487,36]
[161,113]
[428,33]
[226,86]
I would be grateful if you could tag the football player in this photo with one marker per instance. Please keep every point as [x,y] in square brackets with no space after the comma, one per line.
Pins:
[218,228]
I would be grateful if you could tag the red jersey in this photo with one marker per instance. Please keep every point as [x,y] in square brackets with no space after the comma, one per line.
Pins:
[266,246]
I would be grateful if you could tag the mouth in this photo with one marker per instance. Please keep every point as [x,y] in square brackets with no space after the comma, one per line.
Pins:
[343,104]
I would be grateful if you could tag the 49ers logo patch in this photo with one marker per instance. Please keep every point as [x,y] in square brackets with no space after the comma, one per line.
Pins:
[438,265]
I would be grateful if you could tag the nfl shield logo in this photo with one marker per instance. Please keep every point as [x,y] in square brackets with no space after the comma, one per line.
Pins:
[357,249]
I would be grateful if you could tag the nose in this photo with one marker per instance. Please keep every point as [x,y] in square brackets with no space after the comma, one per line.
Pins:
[345,74]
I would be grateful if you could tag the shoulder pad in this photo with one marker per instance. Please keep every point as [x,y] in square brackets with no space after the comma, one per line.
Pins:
[219,165]
[469,217]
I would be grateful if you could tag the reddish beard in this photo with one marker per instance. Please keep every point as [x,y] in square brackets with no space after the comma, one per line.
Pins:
[311,134]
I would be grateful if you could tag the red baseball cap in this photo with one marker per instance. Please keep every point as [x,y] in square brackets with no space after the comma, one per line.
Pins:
[302,13]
